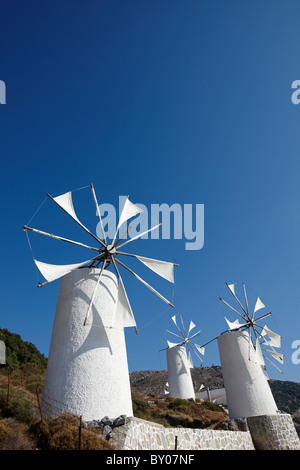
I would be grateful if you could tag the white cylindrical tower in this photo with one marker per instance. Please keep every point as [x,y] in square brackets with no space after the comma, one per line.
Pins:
[179,374]
[247,389]
[87,371]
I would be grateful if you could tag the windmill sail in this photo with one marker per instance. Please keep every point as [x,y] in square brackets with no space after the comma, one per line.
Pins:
[251,324]
[234,325]
[258,305]
[123,316]
[65,202]
[54,271]
[187,342]
[162,268]
[190,362]
[200,349]
[258,354]
[106,253]
[231,287]
[276,355]
[275,339]
[173,345]
[192,325]
[129,210]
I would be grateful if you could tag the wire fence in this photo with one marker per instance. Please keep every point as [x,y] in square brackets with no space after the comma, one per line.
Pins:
[47,407]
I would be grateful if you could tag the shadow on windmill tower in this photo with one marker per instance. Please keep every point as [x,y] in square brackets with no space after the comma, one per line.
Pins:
[87,372]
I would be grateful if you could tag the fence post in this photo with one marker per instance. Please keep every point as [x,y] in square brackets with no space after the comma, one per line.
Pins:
[8,387]
[39,403]
[79,436]
[175,442]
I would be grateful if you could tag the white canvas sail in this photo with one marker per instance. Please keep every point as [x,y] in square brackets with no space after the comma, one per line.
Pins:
[162,268]
[276,355]
[259,359]
[192,325]
[200,349]
[129,210]
[55,271]
[65,202]
[172,345]
[275,339]
[234,325]
[190,362]
[231,287]
[123,316]
[259,304]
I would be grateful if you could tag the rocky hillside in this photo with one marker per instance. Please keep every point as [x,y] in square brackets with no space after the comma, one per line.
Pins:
[286,394]
[154,381]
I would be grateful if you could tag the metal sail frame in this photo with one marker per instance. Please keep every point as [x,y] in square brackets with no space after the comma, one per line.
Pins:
[107,253]
[186,339]
[250,323]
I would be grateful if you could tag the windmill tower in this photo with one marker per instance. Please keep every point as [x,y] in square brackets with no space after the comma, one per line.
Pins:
[179,363]
[242,352]
[87,371]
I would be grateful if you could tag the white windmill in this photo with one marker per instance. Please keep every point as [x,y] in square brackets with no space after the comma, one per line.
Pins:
[242,359]
[179,361]
[87,369]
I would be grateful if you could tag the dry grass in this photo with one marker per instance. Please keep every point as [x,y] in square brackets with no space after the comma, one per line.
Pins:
[21,427]
[62,433]
[179,413]
[15,435]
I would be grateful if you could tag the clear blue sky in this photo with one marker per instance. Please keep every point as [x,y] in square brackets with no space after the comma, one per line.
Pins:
[183,102]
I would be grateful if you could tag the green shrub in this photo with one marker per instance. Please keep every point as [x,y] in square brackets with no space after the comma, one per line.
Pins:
[18,407]
[178,402]
[34,382]
[211,406]
[138,405]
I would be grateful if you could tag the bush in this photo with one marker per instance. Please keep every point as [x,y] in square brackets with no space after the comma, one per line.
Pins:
[211,406]
[62,433]
[178,402]
[138,405]
[5,430]
[17,437]
[34,382]
[18,407]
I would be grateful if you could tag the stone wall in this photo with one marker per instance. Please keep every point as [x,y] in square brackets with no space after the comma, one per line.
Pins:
[276,432]
[138,434]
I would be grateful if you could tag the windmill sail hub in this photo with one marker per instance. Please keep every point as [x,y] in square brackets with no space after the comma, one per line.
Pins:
[111,249]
